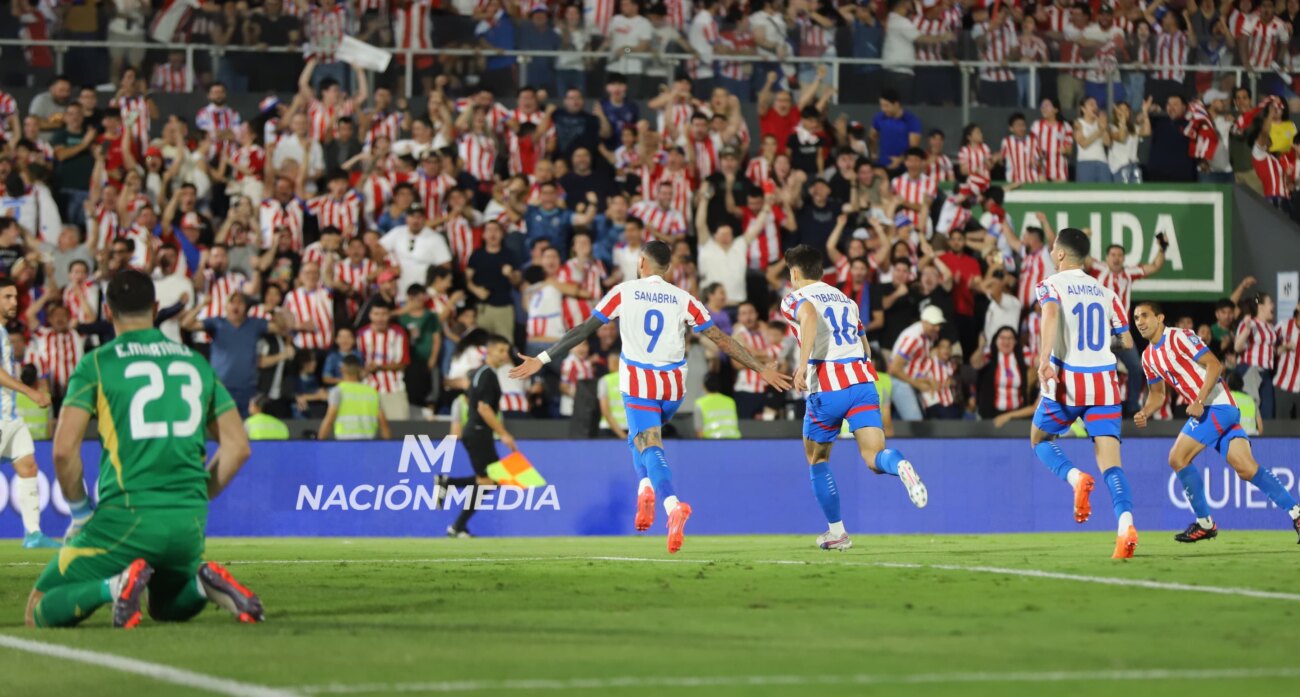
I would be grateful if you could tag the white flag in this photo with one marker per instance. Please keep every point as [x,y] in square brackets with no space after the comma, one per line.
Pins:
[363,55]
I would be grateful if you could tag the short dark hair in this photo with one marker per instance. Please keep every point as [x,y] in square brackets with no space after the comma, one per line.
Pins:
[81,262]
[7,283]
[805,258]
[914,152]
[130,292]
[1224,303]
[658,252]
[1075,241]
[1156,308]
[713,382]
[1016,116]
[415,289]
[352,362]
[495,339]
[890,94]
[330,230]
[1120,247]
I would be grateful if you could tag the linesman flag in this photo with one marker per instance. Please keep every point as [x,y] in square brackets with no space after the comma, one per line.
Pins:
[515,470]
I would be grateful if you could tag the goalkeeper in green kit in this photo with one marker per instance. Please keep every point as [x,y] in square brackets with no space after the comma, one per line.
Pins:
[155,402]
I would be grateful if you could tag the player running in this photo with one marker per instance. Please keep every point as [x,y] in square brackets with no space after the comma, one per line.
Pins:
[1179,358]
[15,440]
[1077,371]
[155,401]
[835,369]
[652,372]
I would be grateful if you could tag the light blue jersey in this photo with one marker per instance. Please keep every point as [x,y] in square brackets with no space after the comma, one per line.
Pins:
[8,397]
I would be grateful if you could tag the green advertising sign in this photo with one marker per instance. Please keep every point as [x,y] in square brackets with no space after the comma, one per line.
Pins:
[1196,218]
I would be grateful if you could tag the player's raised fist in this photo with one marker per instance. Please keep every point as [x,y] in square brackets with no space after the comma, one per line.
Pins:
[1140,419]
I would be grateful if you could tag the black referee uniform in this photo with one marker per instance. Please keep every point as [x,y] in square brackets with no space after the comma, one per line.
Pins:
[477,438]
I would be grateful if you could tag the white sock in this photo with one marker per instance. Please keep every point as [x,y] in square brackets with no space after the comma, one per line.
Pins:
[645,484]
[114,584]
[1295,512]
[837,529]
[1207,522]
[670,503]
[1073,476]
[1125,522]
[29,502]
[199,585]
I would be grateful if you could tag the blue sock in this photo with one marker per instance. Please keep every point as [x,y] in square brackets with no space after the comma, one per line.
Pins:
[1051,455]
[1117,482]
[1272,488]
[656,467]
[887,461]
[828,495]
[637,464]
[1194,487]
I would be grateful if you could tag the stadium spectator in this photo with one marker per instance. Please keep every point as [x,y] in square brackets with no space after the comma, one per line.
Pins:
[263,426]
[386,351]
[1287,378]
[490,277]
[424,332]
[353,412]
[908,364]
[1125,134]
[1256,346]
[716,416]
[893,131]
[1005,382]
[1169,159]
[235,338]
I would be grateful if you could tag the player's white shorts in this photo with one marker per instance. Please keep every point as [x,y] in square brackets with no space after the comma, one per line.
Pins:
[15,440]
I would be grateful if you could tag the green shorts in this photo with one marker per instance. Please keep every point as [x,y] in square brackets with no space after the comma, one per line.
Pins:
[171,540]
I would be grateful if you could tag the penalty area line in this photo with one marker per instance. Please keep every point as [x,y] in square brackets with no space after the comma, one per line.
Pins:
[549,684]
[156,671]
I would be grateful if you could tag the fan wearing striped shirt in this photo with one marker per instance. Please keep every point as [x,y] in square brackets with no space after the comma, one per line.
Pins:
[654,318]
[1178,358]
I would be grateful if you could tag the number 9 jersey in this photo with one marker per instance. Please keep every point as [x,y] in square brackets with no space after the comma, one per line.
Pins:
[655,315]
[153,400]
[838,359]
[1090,313]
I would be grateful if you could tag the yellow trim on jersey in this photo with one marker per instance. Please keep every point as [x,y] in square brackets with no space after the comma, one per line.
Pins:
[108,430]
[67,555]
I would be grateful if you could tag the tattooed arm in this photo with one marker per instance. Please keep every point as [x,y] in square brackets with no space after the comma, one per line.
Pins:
[741,355]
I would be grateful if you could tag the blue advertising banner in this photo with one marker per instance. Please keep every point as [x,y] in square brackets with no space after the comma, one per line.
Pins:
[386,489]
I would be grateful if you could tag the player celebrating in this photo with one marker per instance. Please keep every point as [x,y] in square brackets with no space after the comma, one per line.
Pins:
[835,369]
[652,377]
[1077,371]
[1179,358]
[155,402]
[15,440]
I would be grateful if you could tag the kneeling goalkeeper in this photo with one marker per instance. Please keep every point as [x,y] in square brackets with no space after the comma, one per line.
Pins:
[155,402]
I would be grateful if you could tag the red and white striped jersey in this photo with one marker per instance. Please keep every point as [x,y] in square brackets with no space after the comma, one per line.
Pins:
[1288,360]
[1072,52]
[217,290]
[941,372]
[918,191]
[734,40]
[706,151]
[35,26]
[1000,43]
[1033,49]
[655,316]
[545,312]
[749,380]
[1054,19]
[274,214]
[1173,360]
[1089,314]
[479,152]
[766,247]
[376,192]
[252,158]
[1033,271]
[411,25]
[626,158]
[1121,284]
[384,125]
[316,307]
[703,29]
[324,120]
[1171,56]
[931,53]
[1271,172]
[1260,344]
[325,30]
[170,79]
[1022,159]
[590,275]
[759,171]
[462,239]
[1265,40]
[574,370]
[344,213]
[838,359]
[940,169]
[388,346]
[314,253]
[913,346]
[214,119]
[496,115]
[83,306]
[975,158]
[596,15]
[675,120]
[135,116]
[1008,381]
[1031,327]
[106,225]
[356,276]
[58,353]
[146,244]
[814,40]
[1054,141]
[683,186]
[665,221]
[514,393]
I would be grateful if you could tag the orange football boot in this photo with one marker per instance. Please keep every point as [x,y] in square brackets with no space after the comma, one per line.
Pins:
[676,526]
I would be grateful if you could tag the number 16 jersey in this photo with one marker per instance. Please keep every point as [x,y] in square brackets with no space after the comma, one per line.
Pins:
[654,315]
[153,399]
[838,360]
[1090,313]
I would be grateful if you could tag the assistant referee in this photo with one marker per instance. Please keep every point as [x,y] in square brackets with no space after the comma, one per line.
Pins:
[484,421]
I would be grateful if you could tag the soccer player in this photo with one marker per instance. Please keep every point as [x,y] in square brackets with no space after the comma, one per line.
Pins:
[482,422]
[1077,371]
[1178,357]
[652,377]
[15,440]
[155,401]
[835,369]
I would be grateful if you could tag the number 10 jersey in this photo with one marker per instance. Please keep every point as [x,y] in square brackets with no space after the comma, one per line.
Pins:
[1085,365]
[153,399]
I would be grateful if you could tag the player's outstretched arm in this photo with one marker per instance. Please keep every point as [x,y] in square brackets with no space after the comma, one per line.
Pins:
[232,451]
[741,355]
[575,336]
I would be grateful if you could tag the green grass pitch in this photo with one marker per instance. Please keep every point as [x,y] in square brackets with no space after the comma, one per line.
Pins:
[1003,615]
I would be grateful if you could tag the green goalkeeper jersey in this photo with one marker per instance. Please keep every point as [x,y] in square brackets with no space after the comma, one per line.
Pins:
[153,399]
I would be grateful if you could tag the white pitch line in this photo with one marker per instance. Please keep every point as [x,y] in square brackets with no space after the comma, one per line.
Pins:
[157,671]
[541,684]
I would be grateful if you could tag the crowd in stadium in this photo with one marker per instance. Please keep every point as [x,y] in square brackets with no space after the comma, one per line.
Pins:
[350,220]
